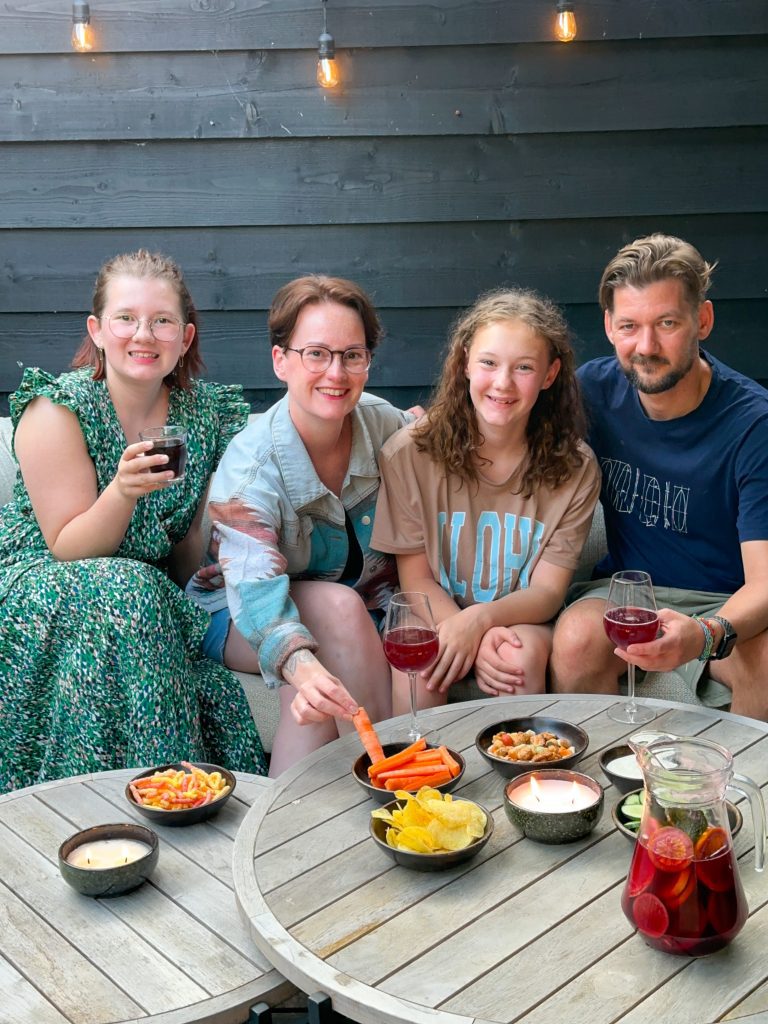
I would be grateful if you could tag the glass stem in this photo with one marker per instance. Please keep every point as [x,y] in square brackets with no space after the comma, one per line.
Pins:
[631,706]
[415,731]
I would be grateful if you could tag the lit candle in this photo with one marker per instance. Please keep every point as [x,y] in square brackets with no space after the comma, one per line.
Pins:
[553,796]
[107,853]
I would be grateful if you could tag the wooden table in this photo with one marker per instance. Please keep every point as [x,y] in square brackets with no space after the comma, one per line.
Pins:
[172,952]
[524,932]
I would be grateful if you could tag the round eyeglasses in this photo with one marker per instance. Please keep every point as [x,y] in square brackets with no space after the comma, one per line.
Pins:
[162,328]
[317,358]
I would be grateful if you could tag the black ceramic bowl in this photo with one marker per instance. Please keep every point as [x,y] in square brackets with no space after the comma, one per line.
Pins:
[384,796]
[189,815]
[109,881]
[575,736]
[429,861]
[624,783]
[554,826]
[735,819]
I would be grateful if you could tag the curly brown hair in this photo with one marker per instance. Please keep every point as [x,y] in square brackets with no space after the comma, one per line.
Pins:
[449,433]
[143,263]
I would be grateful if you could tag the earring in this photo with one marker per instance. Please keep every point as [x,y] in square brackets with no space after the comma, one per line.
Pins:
[100,358]
[181,360]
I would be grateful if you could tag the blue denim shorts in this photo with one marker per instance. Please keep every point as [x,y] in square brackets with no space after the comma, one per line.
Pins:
[216,635]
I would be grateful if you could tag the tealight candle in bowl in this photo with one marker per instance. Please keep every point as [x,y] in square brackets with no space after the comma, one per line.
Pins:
[109,860]
[553,805]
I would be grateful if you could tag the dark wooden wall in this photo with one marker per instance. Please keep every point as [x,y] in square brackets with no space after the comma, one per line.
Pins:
[466,149]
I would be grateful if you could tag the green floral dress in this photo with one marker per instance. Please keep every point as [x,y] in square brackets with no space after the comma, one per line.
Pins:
[100,663]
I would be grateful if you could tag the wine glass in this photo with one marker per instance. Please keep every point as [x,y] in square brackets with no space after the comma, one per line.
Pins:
[410,642]
[631,618]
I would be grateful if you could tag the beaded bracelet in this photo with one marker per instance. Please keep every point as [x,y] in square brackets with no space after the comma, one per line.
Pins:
[709,638]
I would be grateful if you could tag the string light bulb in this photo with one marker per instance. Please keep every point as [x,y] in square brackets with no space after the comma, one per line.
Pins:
[327,68]
[82,33]
[565,28]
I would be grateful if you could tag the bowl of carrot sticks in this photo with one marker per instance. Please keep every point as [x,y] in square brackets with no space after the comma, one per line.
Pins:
[182,793]
[383,770]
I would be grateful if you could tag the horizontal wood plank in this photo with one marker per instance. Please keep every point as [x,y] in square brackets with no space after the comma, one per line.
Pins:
[385,180]
[418,266]
[488,90]
[35,26]
[236,349]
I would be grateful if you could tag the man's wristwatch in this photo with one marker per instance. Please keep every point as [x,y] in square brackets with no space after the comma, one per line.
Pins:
[725,646]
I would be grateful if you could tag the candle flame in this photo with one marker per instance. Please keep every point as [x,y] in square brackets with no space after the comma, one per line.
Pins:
[574,792]
[535,788]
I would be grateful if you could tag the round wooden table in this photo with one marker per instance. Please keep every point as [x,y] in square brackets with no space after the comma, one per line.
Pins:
[523,932]
[172,952]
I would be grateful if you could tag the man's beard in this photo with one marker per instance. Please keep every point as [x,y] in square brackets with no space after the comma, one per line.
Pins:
[660,384]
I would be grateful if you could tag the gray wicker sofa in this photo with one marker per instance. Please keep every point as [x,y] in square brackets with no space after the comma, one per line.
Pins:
[264,702]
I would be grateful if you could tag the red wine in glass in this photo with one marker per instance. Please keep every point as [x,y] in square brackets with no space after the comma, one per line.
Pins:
[626,626]
[410,648]
[631,618]
[410,642]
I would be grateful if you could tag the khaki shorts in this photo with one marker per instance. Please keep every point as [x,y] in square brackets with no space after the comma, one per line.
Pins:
[687,602]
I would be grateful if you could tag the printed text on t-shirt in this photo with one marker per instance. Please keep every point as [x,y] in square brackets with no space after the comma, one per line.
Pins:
[503,546]
[633,492]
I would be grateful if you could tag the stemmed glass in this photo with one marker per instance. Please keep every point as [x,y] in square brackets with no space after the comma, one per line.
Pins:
[631,618]
[410,642]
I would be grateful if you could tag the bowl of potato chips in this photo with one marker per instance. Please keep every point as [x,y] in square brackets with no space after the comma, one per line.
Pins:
[429,830]
[182,793]
[518,745]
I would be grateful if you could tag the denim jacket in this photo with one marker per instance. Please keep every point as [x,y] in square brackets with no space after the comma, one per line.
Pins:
[275,521]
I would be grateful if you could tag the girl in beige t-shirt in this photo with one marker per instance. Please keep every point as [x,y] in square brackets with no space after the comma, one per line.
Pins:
[487,500]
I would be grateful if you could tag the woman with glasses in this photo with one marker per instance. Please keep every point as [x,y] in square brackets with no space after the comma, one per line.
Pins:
[100,655]
[292,505]
[487,501]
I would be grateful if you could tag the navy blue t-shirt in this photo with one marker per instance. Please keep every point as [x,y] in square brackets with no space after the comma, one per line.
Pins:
[680,495]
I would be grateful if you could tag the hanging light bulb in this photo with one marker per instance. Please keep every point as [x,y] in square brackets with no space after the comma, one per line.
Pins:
[327,68]
[82,33]
[565,28]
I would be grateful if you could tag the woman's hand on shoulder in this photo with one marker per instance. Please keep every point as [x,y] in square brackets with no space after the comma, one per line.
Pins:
[320,695]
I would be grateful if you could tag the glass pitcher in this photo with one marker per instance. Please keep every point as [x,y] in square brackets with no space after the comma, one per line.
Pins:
[683,892]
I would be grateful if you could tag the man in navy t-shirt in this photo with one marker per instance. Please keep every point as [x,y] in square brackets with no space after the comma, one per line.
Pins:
[682,442]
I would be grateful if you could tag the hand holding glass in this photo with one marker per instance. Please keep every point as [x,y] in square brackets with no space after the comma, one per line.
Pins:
[631,618]
[410,642]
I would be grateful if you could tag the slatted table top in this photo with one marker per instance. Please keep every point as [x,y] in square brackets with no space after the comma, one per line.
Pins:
[174,951]
[523,932]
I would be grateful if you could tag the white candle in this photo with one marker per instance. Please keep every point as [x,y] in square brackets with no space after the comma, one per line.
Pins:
[553,796]
[107,853]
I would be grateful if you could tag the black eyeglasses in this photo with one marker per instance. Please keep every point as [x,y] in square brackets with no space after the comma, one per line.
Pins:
[317,358]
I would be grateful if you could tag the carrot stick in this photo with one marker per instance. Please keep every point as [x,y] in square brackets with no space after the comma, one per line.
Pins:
[412,770]
[450,763]
[427,757]
[368,736]
[396,760]
[417,781]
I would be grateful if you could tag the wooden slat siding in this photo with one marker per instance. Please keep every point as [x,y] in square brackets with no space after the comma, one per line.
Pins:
[235,345]
[450,91]
[377,181]
[426,265]
[37,27]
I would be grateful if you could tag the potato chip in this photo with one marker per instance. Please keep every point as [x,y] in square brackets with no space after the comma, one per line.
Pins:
[431,822]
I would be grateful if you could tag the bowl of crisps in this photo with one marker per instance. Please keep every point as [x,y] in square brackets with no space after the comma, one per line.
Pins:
[377,790]
[430,831]
[516,745]
[181,793]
